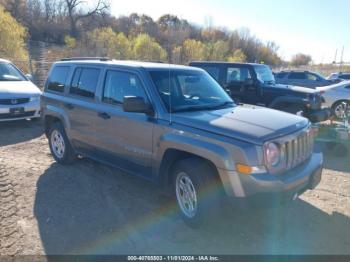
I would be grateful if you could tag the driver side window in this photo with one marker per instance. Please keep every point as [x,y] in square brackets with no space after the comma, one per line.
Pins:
[121,84]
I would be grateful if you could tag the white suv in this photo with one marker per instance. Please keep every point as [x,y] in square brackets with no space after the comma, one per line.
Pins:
[19,97]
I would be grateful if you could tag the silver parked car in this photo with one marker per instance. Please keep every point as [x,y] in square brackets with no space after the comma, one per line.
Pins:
[341,76]
[335,96]
[19,97]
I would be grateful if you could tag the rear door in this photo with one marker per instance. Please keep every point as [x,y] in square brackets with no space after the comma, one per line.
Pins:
[81,107]
[297,79]
[124,138]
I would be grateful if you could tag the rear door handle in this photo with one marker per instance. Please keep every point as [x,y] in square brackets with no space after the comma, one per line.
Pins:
[69,106]
[104,115]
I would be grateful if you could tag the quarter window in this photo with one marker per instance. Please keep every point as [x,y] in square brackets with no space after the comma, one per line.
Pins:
[57,79]
[121,84]
[85,82]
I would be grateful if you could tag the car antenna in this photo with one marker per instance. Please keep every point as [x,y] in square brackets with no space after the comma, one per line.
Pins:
[170,105]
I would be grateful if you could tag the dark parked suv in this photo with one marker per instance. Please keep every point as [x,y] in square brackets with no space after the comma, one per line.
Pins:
[255,84]
[175,126]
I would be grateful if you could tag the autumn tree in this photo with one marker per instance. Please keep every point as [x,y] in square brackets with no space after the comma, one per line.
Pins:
[12,39]
[146,48]
[301,59]
[237,56]
[193,50]
[76,12]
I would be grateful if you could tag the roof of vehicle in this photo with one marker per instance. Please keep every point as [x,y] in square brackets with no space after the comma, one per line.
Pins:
[135,64]
[223,63]
[295,71]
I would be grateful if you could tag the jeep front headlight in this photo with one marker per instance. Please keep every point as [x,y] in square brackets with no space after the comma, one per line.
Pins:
[272,154]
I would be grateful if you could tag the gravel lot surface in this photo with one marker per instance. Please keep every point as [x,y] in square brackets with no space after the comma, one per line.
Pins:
[89,208]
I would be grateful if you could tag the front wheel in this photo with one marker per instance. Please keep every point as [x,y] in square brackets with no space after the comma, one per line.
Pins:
[197,190]
[339,109]
[60,146]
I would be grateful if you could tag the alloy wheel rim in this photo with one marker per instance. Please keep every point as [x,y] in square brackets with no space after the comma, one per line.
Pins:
[186,195]
[338,110]
[57,144]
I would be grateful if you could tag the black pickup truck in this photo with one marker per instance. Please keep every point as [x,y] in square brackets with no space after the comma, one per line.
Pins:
[255,84]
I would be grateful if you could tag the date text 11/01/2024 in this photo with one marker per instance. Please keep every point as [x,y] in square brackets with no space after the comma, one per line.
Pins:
[173,258]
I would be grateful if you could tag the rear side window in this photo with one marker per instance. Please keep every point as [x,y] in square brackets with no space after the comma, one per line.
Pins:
[85,82]
[57,79]
[298,76]
[121,84]
[346,77]
[281,75]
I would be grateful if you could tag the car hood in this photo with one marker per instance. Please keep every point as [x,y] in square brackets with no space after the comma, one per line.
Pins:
[16,89]
[300,89]
[248,123]
[338,85]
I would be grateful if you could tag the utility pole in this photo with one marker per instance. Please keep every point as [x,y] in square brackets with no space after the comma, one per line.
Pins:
[336,54]
[341,59]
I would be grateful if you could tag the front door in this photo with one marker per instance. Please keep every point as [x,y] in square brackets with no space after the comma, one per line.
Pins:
[125,139]
[240,83]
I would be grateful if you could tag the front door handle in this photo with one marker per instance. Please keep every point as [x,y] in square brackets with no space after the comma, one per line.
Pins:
[69,106]
[104,115]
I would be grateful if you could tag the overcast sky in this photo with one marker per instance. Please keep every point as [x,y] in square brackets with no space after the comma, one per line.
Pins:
[315,27]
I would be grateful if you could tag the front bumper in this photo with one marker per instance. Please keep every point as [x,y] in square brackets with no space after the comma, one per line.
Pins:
[28,110]
[266,188]
[316,116]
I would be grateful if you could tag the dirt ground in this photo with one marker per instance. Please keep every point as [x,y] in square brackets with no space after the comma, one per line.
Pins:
[89,208]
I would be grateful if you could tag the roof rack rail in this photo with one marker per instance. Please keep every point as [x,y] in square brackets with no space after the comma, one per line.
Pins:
[86,58]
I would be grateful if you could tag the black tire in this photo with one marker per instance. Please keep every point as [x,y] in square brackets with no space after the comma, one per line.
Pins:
[207,186]
[337,104]
[68,155]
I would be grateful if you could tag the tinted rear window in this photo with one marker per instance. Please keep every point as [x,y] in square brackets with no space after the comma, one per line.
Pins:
[58,78]
[281,75]
[347,76]
[297,76]
[85,81]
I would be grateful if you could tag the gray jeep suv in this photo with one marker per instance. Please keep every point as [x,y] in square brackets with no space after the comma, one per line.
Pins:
[175,126]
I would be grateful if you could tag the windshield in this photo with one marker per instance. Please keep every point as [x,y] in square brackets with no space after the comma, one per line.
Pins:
[264,74]
[9,72]
[187,90]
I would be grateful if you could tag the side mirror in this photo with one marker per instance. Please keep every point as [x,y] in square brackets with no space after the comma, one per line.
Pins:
[135,104]
[29,76]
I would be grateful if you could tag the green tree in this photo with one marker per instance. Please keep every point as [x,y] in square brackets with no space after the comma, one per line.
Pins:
[12,40]
[237,56]
[217,51]
[194,50]
[147,49]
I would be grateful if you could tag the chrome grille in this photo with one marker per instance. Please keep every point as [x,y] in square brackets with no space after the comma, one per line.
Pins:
[298,149]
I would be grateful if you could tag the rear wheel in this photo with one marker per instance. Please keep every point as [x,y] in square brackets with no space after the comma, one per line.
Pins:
[60,146]
[196,189]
